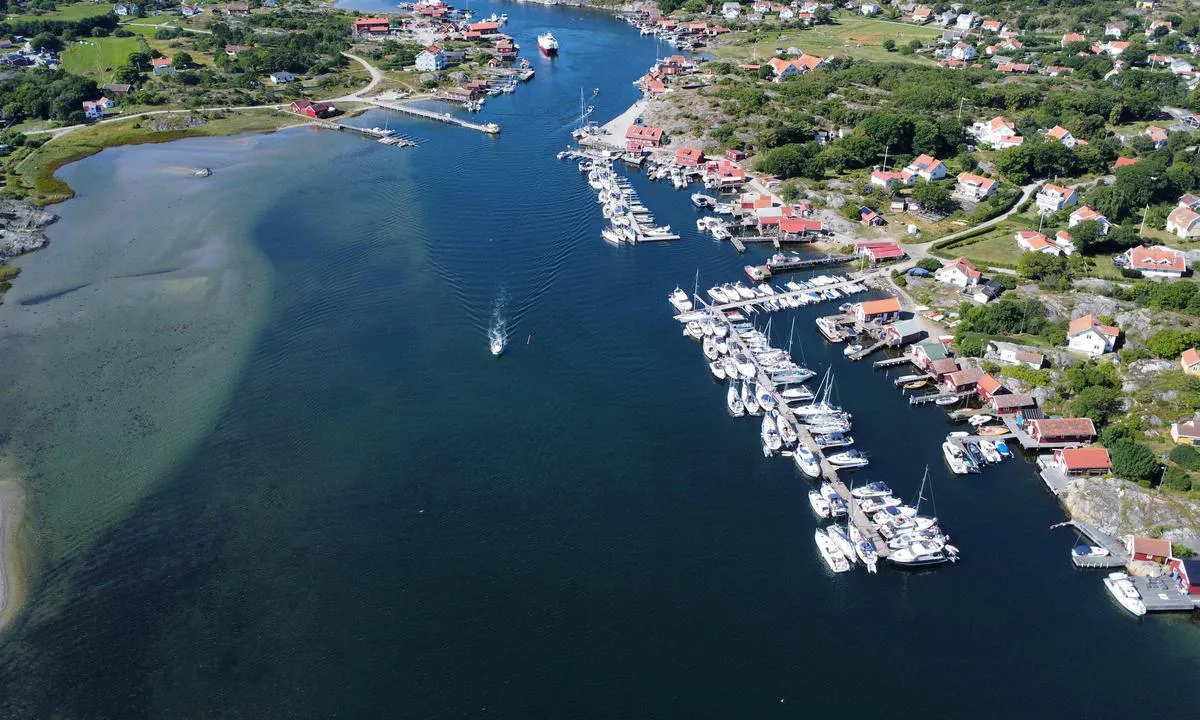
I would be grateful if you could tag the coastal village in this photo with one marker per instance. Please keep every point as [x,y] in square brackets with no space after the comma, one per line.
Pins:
[1020,195]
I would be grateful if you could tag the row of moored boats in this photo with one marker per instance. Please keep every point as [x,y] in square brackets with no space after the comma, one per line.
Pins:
[967,452]
[629,220]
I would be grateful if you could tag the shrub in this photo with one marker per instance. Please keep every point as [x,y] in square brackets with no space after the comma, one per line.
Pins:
[1182,552]
[1133,461]
[929,264]
[1185,456]
[1176,478]
[1029,376]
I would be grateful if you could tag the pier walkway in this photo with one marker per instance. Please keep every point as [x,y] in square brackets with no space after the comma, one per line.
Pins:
[806,263]
[1160,594]
[891,362]
[722,307]
[934,397]
[489,128]
[1117,555]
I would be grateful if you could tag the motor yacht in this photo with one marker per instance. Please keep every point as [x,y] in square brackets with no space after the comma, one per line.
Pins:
[678,298]
[820,506]
[806,462]
[833,557]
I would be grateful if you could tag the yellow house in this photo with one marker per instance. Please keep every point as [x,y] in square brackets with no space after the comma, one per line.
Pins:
[1186,433]
[1145,4]
[1190,360]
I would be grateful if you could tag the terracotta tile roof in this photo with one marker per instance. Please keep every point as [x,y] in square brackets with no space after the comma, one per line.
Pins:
[1190,428]
[1058,132]
[1149,546]
[1157,257]
[965,376]
[1064,428]
[1191,356]
[1183,217]
[973,179]
[878,307]
[987,383]
[1123,161]
[943,366]
[1088,322]
[1090,458]
[965,266]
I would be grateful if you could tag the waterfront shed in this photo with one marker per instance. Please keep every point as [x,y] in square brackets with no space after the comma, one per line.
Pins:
[1062,430]
[963,380]
[1187,572]
[878,311]
[904,331]
[1011,403]
[925,354]
[1083,462]
[988,386]
[943,367]
[1141,547]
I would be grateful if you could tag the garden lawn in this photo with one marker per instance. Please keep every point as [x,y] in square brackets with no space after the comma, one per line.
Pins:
[78,11]
[860,38]
[98,57]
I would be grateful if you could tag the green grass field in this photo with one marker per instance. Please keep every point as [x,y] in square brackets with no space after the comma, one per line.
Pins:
[78,11]
[97,58]
[996,246]
[860,38]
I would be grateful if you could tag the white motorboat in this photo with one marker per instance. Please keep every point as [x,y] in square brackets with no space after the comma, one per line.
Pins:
[787,433]
[679,297]
[717,293]
[833,557]
[720,329]
[717,370]
[701,200]
[820,506]
[1121,588]
[710,348]
[497,342]
[988,448]
[770,434]
[733,402]
[872,489]
[806,462]
[745,365]
[833,440]
[851,349]
[922,552]
[706,325]
[841,539]
[613,238]
[977,420]
[866,551]
[748,397]
[745,292]
[877,503]
[730,367]
[720,343]
[849,459]
[954,458]
[797,393]
[694,330]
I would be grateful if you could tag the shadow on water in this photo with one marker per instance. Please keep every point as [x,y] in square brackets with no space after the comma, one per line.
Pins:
[47,297]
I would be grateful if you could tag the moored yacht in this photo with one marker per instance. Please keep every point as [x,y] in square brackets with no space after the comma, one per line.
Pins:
[679,298]
[833,557]
[820,505]
[733,402]
[806,461]
[1123,591]
[849,459]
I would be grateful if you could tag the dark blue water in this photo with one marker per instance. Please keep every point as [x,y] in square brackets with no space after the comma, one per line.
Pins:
[388,522]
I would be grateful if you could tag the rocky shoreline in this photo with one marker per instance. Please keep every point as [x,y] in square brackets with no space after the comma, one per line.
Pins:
[22,230]
[1119,507]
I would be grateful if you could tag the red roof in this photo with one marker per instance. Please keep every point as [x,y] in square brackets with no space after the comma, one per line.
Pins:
[1064,427]
[880,307]
[965,267]
[484,27]
[161,61]
[1158,258]
[1088,322]
[1090,458]
[987,383]
[1010,401]
[644,132]
[1155,547]
[966,376]
[1191,356]
[882,250]
[798,226]
[689,156]
[1124,161]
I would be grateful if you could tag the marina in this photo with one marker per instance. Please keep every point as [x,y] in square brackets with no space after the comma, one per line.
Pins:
[488,128]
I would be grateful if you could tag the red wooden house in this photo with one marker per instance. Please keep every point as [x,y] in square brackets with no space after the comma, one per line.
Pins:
[988,386]
[1062,430]
[311,109]
[1141,547]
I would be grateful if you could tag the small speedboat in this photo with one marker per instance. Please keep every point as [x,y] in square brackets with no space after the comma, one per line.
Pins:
[1089,551]
[718,293]
[749,398]
[497,343]
[719,342]
[745,365]
[717,370]
[701,200]
[849,459]
[852,349]
[730,367]
[833,440]
[710,348]
[954,458]
[1002,448]
[988,448]
[947,400]
[872,489]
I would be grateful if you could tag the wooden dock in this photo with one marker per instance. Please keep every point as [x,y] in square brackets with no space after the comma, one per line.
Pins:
[934,397]
[791,293]
[1117,555]
[1160,594]
[808,263]
[489,128]
[737,243]
[891,362]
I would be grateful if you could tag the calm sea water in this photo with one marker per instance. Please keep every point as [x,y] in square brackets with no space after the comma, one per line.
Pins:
[346,507]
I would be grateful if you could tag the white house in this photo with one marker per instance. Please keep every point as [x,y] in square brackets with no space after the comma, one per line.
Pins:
[94,109]
[1184,222]
[1086,335]
[1114,30]
[1157,262]
[431,59]
[960,273]
[966,21]
[963,51]
[927,168]
[998,132]
[888,179]
[868,9]
[974,187]
[1157,136]
[1061,134]
[1052,198]
[282,77]
[731,10]
[1031,241]
[126,9]
[1086,214]
[1064,242]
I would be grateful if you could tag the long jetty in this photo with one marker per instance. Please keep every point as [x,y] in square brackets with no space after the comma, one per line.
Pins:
[489,128]
[828,471]
[722,307]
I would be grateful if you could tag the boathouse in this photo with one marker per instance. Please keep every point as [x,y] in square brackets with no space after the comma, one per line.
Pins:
[794,229]
[877,311]
[1062,430]
[988,387]
[925,354]
[964,380]
[365,26]
[1187,574]
[689,157]
[1141,547]
[877,252]
[1011,403]
[311,109]
[904,332]
[941,368]
[1083,462]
